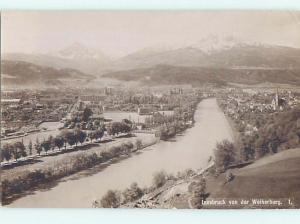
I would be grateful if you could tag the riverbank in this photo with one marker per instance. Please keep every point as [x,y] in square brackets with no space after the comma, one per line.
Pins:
[235,132]
[31,178]
[270,182]
[23,180]
[175,193]
[189,150]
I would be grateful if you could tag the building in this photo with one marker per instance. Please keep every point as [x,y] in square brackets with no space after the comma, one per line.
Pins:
[144,111]
[10,102]
[277,102]
[93,98]
[95,106]
[108,91]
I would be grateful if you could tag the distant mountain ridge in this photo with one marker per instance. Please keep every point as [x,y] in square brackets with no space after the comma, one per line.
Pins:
[211,51]
[167,74]
[75,56]
[23,73]
[211,59]
[78,51]
[235,56]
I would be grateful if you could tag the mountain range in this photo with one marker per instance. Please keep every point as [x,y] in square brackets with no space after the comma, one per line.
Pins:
[75,56]
[169,74]
[211,59]
[25,73]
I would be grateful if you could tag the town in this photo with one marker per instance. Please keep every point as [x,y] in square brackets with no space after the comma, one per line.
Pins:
[25,112]
[38,123]
[150,109]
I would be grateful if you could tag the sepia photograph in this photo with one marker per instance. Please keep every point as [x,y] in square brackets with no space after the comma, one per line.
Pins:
[155,109]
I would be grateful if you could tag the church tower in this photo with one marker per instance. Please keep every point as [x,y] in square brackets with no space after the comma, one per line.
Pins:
[276,99]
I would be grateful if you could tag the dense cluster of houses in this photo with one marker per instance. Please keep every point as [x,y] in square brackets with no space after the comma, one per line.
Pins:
[237,103]
[22,111]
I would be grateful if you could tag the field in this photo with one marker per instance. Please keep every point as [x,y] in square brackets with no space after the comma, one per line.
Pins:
[272,177]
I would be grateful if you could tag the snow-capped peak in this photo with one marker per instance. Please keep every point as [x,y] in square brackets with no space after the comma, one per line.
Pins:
[79,51]
[213,43]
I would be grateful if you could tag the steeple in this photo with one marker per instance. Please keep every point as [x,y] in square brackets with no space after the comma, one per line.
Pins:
[276,99]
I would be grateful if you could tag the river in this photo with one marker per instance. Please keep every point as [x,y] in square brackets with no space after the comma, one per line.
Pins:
[191,149]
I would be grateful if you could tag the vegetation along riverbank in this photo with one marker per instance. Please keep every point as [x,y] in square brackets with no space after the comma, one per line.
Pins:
[17,182]
[254,171]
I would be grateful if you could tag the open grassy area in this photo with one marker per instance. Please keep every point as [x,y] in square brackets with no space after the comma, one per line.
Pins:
[272,177]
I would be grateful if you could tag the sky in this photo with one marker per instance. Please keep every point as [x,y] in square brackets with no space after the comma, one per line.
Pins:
[117,33]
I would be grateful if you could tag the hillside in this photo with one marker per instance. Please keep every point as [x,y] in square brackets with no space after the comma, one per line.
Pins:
[24,73]
[236,55]
[257,56]
[75,56]
[272,177]
[275,177]
[166,74]
[209,52]
[142,59]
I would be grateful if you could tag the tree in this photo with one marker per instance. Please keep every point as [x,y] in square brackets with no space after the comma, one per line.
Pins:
[91,135]
[125,128]
[199,193]
[46,145]
[259,147]
[81,136]
[58,142]
[30,147]
[159,179]
[38,147]
[21,148]
[99,133]
[76,136]
[18,150]
[87,112]
[96,123]
[114,128]
[274,142]
[133,193]
[118,127]
[68,137]
[7,152]
[128,122]
[224,154]
[138,144]
[246,149]
[64,134]
[71,139]
[163,132]
[51,140]
[111,199]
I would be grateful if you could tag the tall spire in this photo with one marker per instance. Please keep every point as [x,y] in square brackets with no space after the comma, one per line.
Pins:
[277,98]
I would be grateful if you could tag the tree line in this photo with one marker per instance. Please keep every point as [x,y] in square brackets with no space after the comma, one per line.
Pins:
[169,130]
[13,186]
[66,137]
[116,198]
[281,131]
